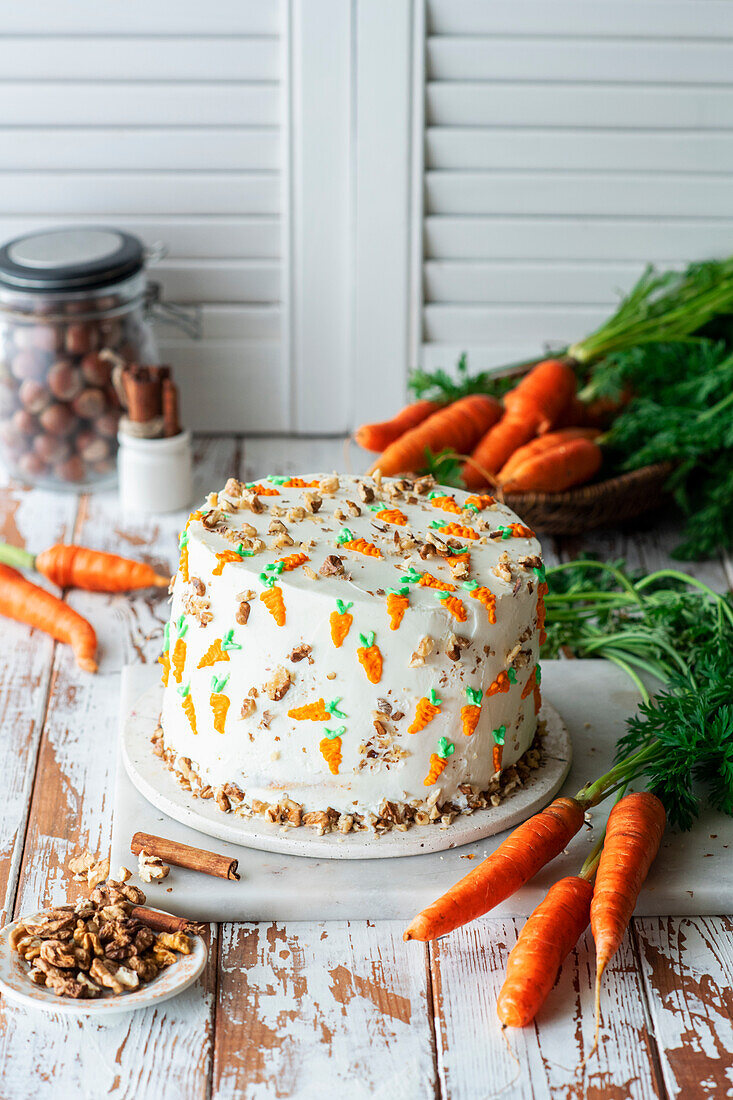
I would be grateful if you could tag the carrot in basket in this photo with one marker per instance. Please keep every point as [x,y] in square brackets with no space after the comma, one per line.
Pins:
[495,448]
[459,426]
[541,444]
[560,468]
[79,567]
[27,603]
[377,437]
[514,862]
[633,835]
[548,936]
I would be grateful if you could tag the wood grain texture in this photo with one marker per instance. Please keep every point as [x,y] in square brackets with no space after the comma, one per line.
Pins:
[341,1004]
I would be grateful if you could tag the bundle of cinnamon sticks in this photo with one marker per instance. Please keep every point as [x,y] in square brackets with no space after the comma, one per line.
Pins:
[151,399]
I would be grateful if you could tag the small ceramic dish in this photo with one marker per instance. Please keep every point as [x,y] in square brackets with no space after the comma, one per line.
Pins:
[16,985]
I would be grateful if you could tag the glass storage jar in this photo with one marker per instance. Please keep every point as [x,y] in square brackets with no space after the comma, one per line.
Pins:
[73,306]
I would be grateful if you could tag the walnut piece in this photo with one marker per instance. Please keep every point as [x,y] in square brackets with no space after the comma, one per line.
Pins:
[151,868]
[248,708]
[333,566]
[278,684]
[312,502]
[243,611]
[425,647]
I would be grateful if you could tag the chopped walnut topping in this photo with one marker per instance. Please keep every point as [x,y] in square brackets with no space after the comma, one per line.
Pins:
[455,645]
[243,611]
[296,515]
[276,527]
[86,868]
[278,684]
[256,505]
[222,800]
[425,647]
[266,718]
[427,550]
[503,568]
[248,708]
[312,502]
[151,868]
[282,540]
[212,519]
[300,652]
[329,484]
[276,510]
[365,492]
[234,488]
[199,608]
[353,508]
[318,819]
[423,485]
[198,586]
[124,874]
[333,566]
[310,573]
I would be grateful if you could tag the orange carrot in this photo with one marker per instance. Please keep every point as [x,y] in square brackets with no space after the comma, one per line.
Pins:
[397,604]
[311,712]
[633,835]
[223,559]
[298,483]
[340,622]
[459,426]
[425,711]
[183,560]
[548,936]
[480,502]
[514,862]
[471,713]
[370,657]
[495,448]
[263,490]
[439,760]
[293,561]
[542,393]
[27,603]
[392,515]
[178,656]
[214,653]
[79,567]
[502,683]
[219,702]
[458,530]
[165,661]
[330,747]
[540,445]
[453,605]
[188,707]
[530,685]
[361,546]
[446,504]
[427,580]
[375,437]
[560,468]
[484,596]
[497,752]
[273,600]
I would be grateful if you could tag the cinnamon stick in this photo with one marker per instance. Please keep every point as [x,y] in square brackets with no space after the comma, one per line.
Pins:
[171,423]
[164,922]
[182,855]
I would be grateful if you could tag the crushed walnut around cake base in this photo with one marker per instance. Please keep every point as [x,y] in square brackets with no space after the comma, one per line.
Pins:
[230,798]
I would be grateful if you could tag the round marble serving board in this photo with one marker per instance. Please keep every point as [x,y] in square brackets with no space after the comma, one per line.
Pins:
[157,784]
[17,986]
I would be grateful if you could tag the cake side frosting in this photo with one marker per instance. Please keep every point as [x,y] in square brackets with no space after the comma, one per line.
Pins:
[346,644]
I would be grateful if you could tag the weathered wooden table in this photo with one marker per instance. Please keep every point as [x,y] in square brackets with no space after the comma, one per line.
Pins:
[307,1010]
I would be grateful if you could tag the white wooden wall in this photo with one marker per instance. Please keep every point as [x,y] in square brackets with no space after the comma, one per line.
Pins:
[566,143]
[350,187]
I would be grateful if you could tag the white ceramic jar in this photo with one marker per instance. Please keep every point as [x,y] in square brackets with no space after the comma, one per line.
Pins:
[155,475]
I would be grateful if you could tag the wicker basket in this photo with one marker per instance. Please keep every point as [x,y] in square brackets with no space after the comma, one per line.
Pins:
[603,504]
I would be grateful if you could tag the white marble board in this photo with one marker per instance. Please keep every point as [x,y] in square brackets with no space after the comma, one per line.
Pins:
[693,873]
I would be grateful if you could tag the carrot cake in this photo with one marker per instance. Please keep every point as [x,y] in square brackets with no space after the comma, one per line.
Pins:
[350,652]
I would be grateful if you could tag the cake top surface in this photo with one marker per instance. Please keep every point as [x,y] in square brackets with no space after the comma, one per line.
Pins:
[358,538]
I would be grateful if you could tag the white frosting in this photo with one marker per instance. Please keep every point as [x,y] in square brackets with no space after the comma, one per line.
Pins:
[271,755]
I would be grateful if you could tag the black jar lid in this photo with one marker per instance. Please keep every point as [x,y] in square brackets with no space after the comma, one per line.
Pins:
[78,257]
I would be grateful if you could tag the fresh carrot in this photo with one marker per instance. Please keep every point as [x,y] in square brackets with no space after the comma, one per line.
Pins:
[541,444]
[542,393]
[79,567]
[377,437]
[557,469]
[495,448]
[548,936]
[633,835]
[514,862]
[27,603]
[459,426]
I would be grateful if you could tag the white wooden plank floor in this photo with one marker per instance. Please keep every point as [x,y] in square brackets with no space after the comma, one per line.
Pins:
[310,1010]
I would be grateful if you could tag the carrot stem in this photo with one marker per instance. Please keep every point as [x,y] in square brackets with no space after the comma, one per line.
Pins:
[16,556]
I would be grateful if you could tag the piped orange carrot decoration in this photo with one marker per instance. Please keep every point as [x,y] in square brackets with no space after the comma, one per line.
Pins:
[515,861]
[340,622]
[370,657]
[459,427]
[187,704]
[438,761]
[462,560]
[513,531]
[427,708]
[531,682]
[392,515]
[262,490]
[71,566]
[376,437]
[219,702]
[456,530]
[330,747]
[484,596]
[547,938]
[178,657]
[445,503]
[299,483]
[502,683]
[347,541]
[227,556]
[633,835]
[27,603]
[293,561]
[183,560]
[273,600]
[480,502]
[219,650]
[165,657]
[497,752]
[453,605]
[397,604]
[471,712]
[311,712]
[427,580]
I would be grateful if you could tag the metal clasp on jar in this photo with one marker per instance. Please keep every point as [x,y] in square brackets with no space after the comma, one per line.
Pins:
[187,318]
